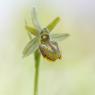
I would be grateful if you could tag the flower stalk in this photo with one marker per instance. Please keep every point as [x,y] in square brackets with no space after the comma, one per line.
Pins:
[36,76]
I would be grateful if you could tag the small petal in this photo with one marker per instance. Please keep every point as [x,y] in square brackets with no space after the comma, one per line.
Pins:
[31,47]
[52,25]
[31,29]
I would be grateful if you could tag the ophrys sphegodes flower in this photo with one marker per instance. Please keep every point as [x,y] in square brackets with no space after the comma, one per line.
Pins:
[46,42]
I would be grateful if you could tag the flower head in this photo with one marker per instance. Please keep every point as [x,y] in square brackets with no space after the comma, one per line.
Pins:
[44,40]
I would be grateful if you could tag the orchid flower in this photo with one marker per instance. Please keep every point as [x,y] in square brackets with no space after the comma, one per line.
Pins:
[43,40]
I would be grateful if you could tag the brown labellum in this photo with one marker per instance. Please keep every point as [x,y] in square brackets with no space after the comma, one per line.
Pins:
[50,50]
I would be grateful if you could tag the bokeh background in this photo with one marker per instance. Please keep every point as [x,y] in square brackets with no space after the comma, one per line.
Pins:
[74,74]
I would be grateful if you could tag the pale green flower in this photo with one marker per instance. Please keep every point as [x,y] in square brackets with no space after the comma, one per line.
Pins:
[43,39]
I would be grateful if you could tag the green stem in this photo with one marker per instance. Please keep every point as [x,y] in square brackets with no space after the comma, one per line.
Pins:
[36,76]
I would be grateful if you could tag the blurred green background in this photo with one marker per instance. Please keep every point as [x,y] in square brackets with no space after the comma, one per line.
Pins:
[74,74]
